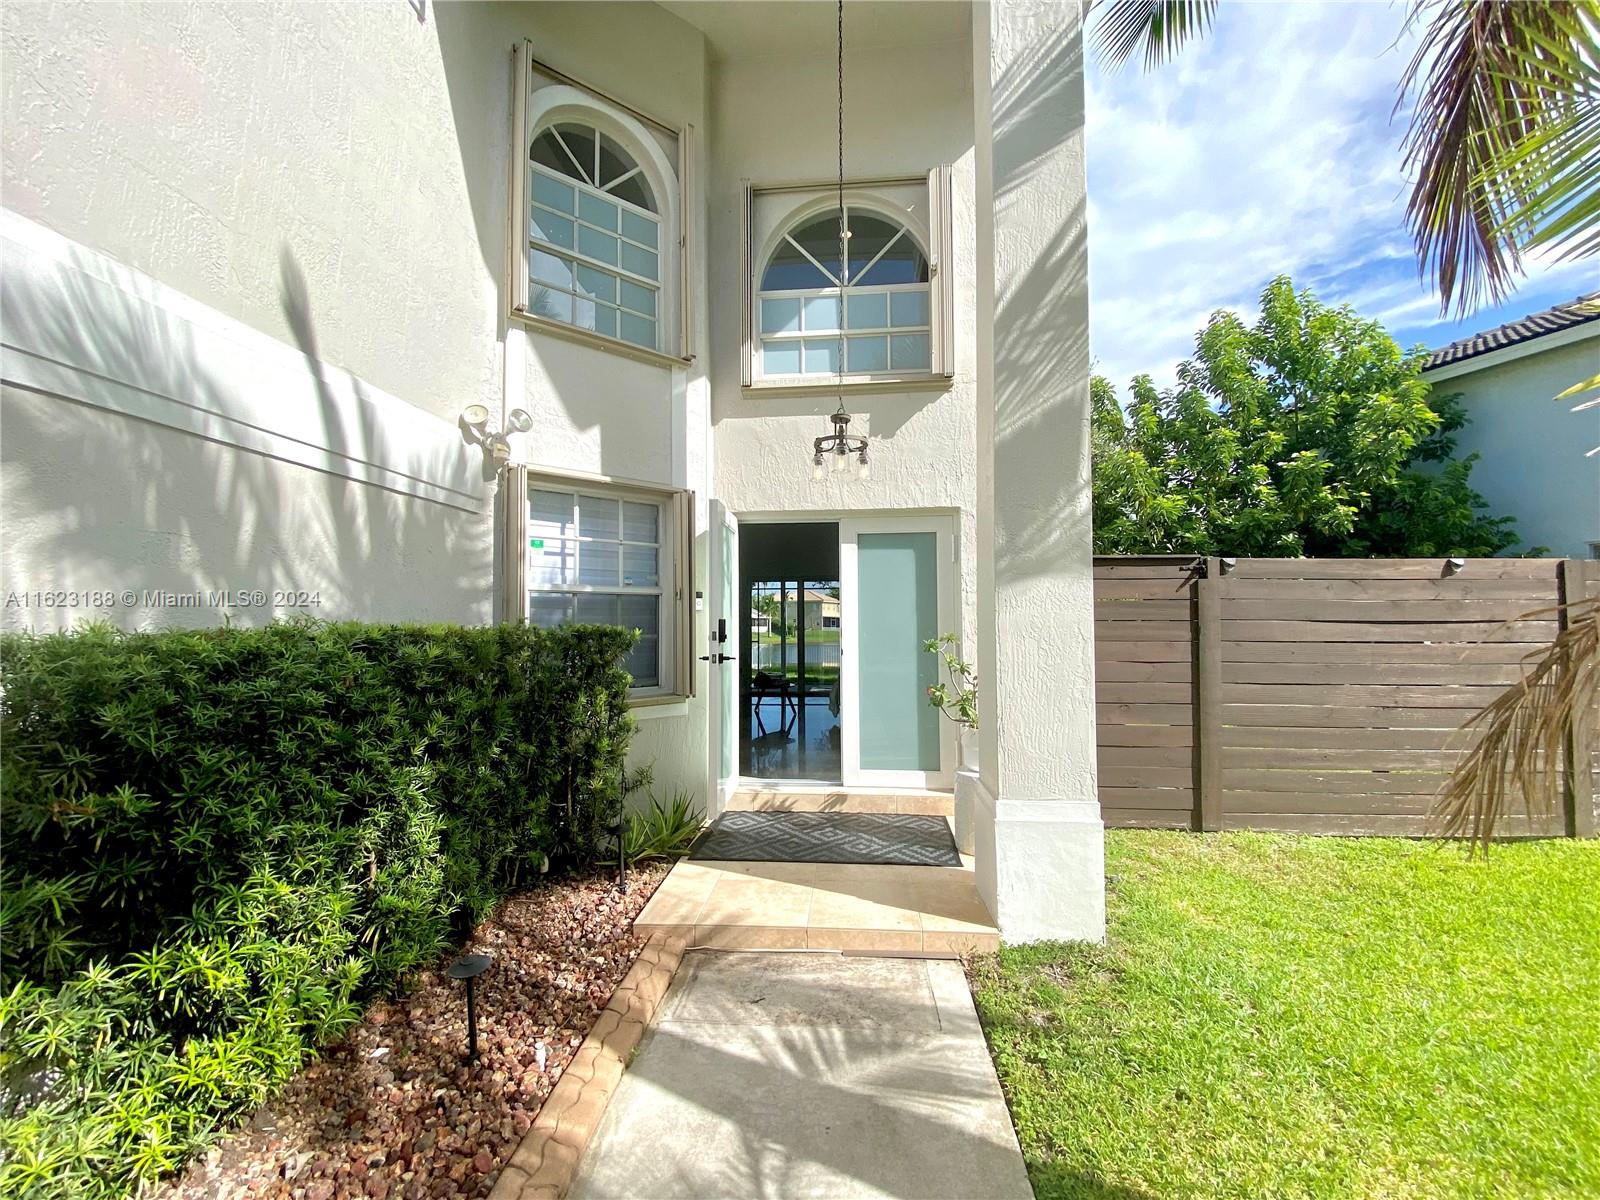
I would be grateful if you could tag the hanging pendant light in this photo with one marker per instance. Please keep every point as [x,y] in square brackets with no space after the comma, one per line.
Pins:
[835,450]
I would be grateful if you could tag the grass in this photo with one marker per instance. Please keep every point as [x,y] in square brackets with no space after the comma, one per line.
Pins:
[1312,1017]
[818,637]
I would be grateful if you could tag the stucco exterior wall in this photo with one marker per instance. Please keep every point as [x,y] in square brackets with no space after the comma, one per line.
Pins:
[908,109]
[1534,463]
[335,177]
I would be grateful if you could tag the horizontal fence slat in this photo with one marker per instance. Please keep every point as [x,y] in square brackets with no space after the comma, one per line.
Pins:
[1534,592]
[1113,671]
[1146,735]
[1387,653]
[1144,714]
[1382,631]
[1392,568]
[1144,631]
[1346,758]
[1290,803]
[1343,718]
[1143,591]
[1111,692]
[1170,569]
[1317,738]
[1356,695]
[1146,756]
[1145,818]
[1365,824]
[1478,674]
[1318,611]
[1143,610]
[1147,797]
[1375,783]
[1112,775]
[1328,824]
[1177,650]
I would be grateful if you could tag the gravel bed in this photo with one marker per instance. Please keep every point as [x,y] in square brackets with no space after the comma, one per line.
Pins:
[392,1111]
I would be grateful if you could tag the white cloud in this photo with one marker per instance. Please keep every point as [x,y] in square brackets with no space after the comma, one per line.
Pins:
[1266,148]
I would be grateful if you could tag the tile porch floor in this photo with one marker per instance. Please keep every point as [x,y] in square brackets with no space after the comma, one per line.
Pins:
[824,906]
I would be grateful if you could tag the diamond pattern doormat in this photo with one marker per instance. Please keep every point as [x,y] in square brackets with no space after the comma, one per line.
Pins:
[889,839]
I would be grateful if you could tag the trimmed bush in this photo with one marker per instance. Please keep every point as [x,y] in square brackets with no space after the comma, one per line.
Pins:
[220,843]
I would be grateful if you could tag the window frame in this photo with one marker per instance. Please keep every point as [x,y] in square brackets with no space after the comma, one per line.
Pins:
[674,568]
[577,101]
[800,203]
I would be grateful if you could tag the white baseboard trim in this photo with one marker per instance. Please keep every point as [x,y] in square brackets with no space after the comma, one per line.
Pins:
[1040,867]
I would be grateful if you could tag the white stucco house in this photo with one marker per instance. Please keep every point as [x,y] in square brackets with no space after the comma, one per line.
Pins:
[279,278]
[1539,460]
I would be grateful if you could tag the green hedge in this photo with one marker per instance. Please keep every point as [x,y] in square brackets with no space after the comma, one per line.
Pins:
[219,843]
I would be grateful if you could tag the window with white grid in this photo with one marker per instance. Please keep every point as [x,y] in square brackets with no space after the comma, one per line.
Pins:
[596,558]
[594,235]
[869,315]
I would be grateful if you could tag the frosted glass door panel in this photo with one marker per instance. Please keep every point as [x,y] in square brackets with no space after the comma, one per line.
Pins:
[898,585]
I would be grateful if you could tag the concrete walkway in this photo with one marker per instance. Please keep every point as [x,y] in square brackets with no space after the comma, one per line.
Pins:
[808,1075]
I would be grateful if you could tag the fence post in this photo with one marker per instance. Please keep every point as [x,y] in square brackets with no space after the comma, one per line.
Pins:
[1580,580]
[1208,696]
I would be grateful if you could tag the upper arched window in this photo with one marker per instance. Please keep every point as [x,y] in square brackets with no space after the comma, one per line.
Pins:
[594,235]
[873,309]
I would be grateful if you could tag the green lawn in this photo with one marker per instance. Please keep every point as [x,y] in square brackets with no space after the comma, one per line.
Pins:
[1295,1017]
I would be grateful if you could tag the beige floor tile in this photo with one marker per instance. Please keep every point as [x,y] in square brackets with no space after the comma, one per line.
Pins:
[749,937]
[746,901]
[878,940]
[934,942]
[784,872]
[841,910]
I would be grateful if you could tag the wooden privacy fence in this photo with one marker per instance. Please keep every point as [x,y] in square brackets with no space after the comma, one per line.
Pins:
[1314,695]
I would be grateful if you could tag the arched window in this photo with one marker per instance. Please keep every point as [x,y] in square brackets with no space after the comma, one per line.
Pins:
[594,234]
[875,308]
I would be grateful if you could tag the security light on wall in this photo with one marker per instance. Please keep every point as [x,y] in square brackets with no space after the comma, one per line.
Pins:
[476,418]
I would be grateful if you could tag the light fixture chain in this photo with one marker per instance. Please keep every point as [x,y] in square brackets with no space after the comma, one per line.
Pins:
[844,225]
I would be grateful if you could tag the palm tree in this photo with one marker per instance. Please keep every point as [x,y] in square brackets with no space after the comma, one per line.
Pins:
[1504,139]
[1520,741]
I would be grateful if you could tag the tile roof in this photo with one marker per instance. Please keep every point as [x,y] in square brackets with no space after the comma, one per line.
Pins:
[1535,325]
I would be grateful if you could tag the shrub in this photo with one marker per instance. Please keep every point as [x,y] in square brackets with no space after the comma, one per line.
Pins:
[219,843]
[662,830]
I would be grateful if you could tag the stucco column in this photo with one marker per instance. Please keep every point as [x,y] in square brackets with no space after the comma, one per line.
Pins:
[1039,837]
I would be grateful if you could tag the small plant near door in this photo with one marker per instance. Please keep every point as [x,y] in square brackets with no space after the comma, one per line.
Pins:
[663,830]
[957,695]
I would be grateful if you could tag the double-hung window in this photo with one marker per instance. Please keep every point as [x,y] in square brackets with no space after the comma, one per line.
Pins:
[599,189]
[594,236]
[598,554]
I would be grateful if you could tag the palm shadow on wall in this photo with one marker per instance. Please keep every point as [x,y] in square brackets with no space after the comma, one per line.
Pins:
[125,502]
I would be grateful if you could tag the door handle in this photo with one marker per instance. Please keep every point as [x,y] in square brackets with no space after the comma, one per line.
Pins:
[718,658]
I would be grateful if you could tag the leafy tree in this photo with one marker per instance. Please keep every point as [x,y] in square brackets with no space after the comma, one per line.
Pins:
[1307,433]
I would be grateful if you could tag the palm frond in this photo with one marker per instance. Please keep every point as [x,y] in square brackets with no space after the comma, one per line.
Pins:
[1502,140]
[1521,740]
[1160,27]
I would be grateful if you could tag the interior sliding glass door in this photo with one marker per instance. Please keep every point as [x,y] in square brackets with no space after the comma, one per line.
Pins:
[897,590]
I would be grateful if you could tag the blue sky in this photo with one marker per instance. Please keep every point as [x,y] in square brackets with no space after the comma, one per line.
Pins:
[1265,148]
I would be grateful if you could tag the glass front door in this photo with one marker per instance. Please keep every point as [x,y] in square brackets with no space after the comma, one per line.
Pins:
[897,595]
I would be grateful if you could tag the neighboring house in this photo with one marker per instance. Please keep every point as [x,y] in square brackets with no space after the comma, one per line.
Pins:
[821,610]
[1538,457]
[478,312]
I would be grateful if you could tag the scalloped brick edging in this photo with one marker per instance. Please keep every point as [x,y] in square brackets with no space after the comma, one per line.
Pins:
[544,1165]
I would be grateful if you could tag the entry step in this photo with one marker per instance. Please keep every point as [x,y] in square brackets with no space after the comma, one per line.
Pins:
[933,804]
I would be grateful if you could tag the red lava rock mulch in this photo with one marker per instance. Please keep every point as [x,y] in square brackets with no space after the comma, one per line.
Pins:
[392,1111]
